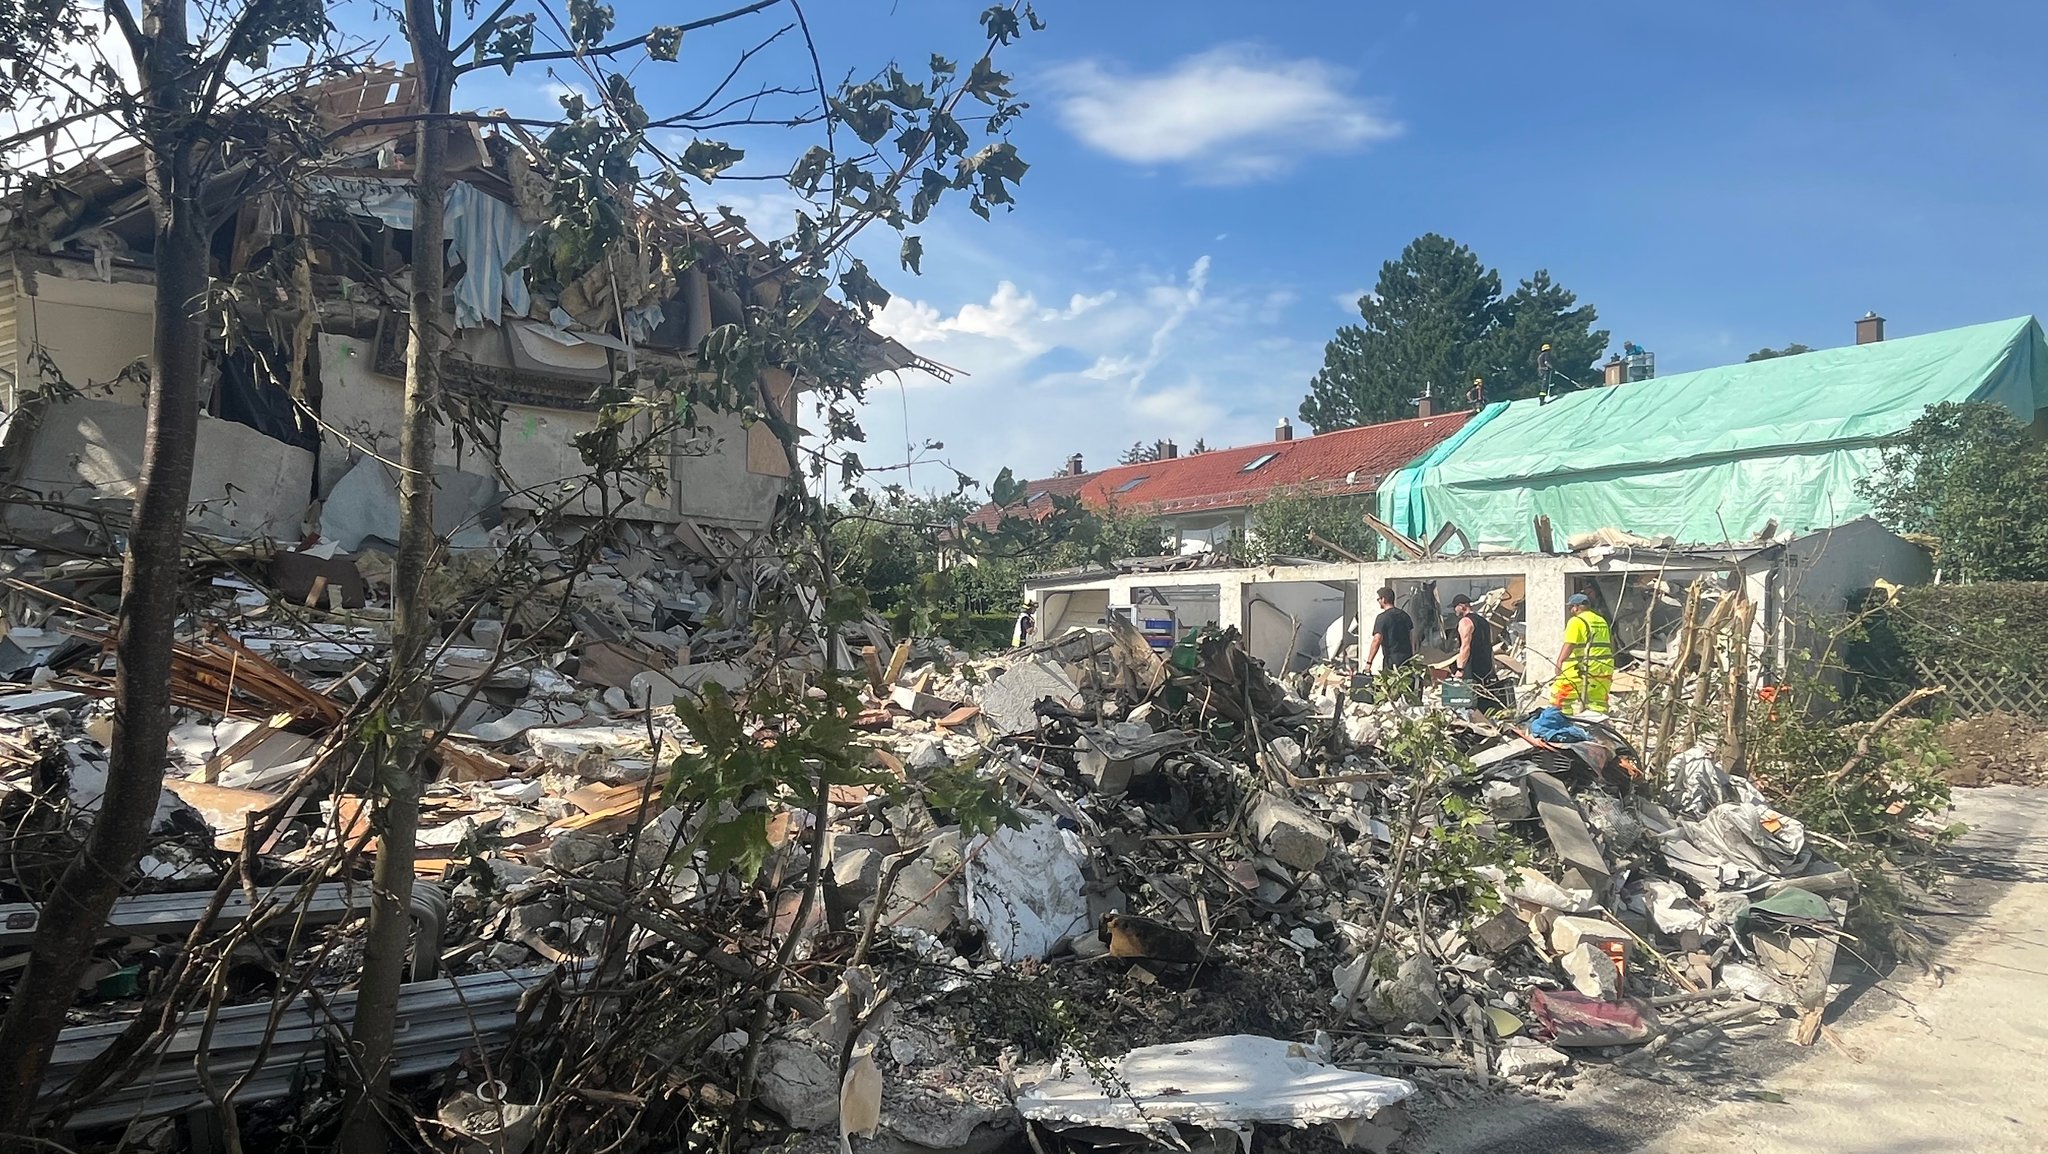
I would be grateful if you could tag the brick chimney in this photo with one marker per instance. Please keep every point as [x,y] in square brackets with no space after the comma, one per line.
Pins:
[1074,465]
[1425,405]
[1284,431]
[1168,450]
[1869,329]
[1614,372]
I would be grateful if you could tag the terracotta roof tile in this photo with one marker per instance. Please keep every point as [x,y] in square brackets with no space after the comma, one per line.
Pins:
[1348,461]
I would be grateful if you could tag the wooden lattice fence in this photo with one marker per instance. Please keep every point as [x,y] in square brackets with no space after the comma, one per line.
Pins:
[1974,690]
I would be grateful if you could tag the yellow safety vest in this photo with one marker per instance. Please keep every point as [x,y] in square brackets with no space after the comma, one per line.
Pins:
[1593,654]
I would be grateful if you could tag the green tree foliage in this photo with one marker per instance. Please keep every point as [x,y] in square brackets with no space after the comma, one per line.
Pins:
[1437,319]
[1294,524]
[1141,453]
[1973,477]
[1770,354]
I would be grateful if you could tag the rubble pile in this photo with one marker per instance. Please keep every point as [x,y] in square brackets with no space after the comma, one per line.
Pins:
[1346,896]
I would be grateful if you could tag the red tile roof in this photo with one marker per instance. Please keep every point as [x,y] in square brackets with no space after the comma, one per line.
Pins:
[1348,461]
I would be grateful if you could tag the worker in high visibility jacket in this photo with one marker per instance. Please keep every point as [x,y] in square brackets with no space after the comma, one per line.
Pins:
[1585,666]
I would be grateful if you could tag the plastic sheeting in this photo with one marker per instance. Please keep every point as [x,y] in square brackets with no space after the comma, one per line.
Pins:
[1710,456]
[1225,1083]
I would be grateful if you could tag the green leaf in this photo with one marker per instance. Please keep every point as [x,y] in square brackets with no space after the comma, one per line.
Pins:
[810,170]
[740,844]
[589,23]
[913,254]
[664,42]
[942,66]
[987,85]
[1001,24]
[862,291]
[705,159]
[1006,489]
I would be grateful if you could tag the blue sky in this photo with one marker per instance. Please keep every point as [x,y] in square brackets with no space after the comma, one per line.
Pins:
[1212,184]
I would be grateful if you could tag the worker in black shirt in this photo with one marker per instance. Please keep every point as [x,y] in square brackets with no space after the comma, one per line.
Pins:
[1393,633]
[1475,652]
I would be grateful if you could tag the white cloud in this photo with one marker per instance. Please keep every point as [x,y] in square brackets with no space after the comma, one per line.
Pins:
[1227,115]
[1137,357]
[1348,302]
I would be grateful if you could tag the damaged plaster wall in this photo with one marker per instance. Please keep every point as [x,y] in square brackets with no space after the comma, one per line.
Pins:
[537,446]
[91,330]
[88,453]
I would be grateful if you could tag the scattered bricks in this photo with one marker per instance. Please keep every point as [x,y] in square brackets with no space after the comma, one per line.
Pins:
[1290,834]
[1568,932]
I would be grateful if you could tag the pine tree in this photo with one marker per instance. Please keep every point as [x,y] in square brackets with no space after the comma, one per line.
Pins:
[1436,320]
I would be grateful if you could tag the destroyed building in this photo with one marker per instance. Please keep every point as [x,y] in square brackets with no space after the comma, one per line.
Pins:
[302,417]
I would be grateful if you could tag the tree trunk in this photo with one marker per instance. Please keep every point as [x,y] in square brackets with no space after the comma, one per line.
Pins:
[401,782]
[146,622]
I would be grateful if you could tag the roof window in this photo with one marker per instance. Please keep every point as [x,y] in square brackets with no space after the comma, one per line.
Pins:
[1260,461]
[1133,483]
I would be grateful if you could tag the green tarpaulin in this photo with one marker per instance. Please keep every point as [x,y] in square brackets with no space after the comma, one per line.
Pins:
[1710,456]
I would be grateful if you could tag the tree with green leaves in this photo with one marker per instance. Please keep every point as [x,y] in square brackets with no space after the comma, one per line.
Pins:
[1436,321]
[202,93]
[1974,478]
[905,148]
[1768,354]
[1141,453]
[1317,526]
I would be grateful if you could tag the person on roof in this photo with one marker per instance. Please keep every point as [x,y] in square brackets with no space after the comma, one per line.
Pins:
[1585,666]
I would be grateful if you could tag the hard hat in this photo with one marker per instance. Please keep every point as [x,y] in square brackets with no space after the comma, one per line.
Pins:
[1546,346]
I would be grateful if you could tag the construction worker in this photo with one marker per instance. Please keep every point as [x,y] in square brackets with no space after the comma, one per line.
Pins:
[1585,666]
[1474,662]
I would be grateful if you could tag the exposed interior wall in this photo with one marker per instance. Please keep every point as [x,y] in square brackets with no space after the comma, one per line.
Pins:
[87,453]
[91,330]
[1060,610]
[710,478]
[1288,623]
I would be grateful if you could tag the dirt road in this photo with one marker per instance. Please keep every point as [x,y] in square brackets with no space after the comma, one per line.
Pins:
[1948,1061]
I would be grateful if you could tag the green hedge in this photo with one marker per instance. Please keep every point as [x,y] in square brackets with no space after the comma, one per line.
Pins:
[1996,625]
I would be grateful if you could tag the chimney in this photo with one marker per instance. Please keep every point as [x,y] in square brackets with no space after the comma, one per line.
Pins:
[1284,431]
[1168,450]
[1425,405]
[1869,329]
[1074,465]
[1614,372]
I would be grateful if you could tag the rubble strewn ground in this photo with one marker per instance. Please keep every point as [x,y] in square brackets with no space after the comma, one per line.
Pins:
[1995,749]
[1403,898]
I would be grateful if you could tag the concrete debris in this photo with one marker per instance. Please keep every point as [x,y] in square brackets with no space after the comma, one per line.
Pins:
[1592,972]
[1168,821]
[1525,1058]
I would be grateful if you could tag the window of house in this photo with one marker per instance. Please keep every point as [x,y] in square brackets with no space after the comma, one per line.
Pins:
[1133,483]
[1258,462]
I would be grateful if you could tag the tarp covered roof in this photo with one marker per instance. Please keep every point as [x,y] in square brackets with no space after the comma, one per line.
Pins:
[1713,455]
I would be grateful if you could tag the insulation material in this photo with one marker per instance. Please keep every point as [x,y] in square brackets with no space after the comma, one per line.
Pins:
[1225,1083]
[1025,888]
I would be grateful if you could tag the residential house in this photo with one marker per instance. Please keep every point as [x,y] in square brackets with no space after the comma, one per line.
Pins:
[1206,499]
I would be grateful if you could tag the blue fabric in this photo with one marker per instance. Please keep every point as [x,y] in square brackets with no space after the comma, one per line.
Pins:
[1550,725]
[484,233]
